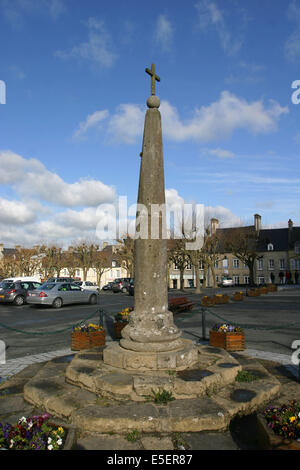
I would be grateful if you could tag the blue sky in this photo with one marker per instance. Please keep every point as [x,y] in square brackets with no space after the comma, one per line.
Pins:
[76,90]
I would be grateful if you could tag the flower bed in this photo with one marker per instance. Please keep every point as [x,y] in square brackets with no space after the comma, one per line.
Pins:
[207,301]
[264,290]
[221,299]
[272,288]
[87,337]
[238,296]
[279,427]
[227,337]
[36,433]
[253,293]
[121,320]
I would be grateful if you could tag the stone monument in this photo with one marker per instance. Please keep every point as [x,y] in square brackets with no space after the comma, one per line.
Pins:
[151,341]
[152,357]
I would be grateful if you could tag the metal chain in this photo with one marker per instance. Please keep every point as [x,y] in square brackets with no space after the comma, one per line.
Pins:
[245,326]
[100,312]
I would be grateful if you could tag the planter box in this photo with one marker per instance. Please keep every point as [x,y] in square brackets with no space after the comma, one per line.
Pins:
[218,299]
[253,293]
[118,327]
[228,341]
[264,290]
[268,440]
[272,288]
[87,340]
[238,297]
[208,302]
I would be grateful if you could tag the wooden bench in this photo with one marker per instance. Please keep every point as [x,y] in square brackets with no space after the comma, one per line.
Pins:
[180,304]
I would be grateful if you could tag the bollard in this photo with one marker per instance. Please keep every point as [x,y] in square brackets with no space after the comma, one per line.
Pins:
[203,325]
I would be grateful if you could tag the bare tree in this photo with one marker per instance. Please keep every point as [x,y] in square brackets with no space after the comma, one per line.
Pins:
[85,254]
[125,253]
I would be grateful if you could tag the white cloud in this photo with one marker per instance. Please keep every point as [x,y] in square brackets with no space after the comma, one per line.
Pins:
[96,50]
[163,34]
[31,179]
[127,123]
[221,153]
[213,122]
[292,44]
[15,11]
[92,121]
[15,212]
[210,16]
[221,118]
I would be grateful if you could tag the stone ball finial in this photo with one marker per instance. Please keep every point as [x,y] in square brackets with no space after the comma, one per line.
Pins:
[153,101]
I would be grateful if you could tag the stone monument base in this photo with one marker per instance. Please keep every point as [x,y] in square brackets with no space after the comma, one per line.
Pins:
[141,361]
[96,397]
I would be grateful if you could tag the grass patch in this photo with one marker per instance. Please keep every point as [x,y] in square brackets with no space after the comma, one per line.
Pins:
[162,396]
[133,436]
[245,376]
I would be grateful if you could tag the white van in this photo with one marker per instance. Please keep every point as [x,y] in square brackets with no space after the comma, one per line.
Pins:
[23,279]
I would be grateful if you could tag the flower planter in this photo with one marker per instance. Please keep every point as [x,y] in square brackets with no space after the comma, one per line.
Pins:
[230,341]
[253,293]
[118,327]
[272,288]
[264,290]
[208,301]
[70,440]
[238,297]
[221,299]
[268,440]
[87,340]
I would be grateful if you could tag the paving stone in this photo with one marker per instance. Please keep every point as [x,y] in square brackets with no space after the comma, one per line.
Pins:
[106,442]
[157,443]
[11,404]
[210,441]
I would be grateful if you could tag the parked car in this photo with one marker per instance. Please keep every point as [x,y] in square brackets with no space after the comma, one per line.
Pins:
[57,294]
[16,292]
[227,281]
[121,284]
[60,279]
[87,285]
[108,286]
[22,279]
[131,288]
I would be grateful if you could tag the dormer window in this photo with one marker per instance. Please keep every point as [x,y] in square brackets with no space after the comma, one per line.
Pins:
[297,247]
[270,247]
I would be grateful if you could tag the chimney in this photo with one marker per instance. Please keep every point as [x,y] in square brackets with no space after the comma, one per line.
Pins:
[1,247]
[257,222]
[104,245]
[290,232]
[214,225]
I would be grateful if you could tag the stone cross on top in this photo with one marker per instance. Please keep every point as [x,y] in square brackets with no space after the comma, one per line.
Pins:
[153,78]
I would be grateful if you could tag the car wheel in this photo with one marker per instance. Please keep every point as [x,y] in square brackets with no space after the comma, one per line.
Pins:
[57,303]
[19,300]
[124,290]
[93,299]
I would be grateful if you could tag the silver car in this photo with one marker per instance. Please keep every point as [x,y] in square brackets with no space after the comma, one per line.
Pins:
[59,294]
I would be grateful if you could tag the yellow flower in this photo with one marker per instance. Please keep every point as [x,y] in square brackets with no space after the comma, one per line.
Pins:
[61,430]
[292,419]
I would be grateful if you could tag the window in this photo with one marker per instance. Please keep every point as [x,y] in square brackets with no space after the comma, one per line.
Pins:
[225,263]
[114,264]
[189,267]
[271,264]
[270,247]
[261,280]
[236,280]
[64,287]
[260,264]
[77,272]
[282,263]
[297,248]
[217,278]
[200,264]
[297,263]
[176,266]
[235,263]
[246,280]
[216,264]
[74,287]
